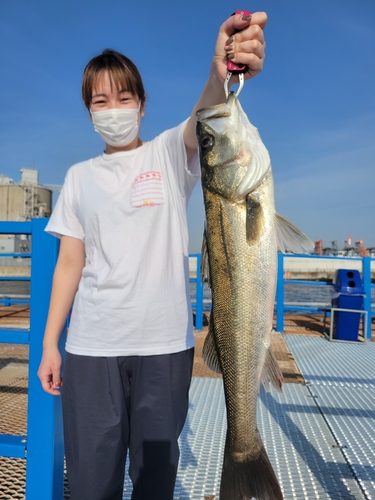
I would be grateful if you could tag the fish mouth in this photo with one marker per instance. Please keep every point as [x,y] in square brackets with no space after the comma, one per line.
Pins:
[218,111]
[222,118]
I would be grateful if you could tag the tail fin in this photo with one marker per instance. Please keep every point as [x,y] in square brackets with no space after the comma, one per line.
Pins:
[249,478]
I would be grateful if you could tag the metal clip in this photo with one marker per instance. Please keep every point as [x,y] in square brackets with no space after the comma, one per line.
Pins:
[226,84]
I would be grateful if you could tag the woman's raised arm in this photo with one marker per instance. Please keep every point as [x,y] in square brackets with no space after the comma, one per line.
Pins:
[241,38]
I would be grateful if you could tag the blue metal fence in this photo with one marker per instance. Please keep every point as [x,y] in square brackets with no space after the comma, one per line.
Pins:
[281,307]
[43,445]
[281,282]
[198,304]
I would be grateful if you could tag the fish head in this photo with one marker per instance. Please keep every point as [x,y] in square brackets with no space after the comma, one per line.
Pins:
[233,158]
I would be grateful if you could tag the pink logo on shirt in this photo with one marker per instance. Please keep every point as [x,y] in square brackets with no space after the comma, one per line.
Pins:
[147,190]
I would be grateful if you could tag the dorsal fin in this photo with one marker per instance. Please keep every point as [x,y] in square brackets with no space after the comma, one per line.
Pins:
[289,237]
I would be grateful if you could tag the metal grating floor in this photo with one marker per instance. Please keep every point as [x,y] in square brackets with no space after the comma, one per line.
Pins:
[12,478]
[342,379]
[319,436]
[301,447]
[333,363]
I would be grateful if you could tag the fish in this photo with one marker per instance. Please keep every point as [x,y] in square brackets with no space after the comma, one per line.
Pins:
[242,236]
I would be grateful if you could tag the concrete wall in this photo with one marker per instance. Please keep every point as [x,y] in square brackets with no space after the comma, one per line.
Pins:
[308,268]
[319,268]
[294,268]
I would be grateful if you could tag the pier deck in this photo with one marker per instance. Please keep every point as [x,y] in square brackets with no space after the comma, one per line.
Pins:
[318,432]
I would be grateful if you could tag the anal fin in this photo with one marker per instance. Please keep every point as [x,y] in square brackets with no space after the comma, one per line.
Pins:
[209,353]
[271,373]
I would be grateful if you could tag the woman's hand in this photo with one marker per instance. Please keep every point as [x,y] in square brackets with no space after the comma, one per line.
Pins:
[242,40]
[49,371]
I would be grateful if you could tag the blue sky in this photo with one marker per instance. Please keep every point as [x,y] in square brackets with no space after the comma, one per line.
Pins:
[314,102]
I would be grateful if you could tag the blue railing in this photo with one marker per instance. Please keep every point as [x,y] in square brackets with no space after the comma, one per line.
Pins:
[281,281]
[198,304]
[8,301]
[43,446]
[281,307]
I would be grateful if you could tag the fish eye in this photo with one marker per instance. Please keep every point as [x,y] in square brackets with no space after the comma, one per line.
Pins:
[207,141]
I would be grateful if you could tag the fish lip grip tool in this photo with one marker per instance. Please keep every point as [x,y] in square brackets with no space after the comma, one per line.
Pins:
[236,68]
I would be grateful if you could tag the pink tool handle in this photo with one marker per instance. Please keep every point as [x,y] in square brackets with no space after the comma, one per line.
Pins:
[239,68]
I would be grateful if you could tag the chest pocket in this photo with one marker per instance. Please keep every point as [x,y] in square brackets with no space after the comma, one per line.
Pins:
[147,190]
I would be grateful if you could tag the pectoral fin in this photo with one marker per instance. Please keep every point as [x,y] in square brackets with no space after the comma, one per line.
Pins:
[254,220]
[289,237]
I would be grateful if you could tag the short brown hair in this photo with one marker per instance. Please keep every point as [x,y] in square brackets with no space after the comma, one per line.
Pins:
[123,74]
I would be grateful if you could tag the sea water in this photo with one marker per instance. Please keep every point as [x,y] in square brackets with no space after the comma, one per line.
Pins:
[294,295]
[301,295]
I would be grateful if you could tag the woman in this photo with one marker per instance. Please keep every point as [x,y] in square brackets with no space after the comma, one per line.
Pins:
[123,260]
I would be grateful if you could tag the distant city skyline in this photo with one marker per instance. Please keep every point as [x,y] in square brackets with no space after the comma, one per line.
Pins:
[313,104]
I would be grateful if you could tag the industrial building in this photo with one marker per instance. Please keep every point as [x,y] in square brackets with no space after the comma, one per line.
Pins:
[23,201]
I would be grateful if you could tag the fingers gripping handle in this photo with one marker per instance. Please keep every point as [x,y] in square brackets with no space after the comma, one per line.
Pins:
[239,69]
[233,67]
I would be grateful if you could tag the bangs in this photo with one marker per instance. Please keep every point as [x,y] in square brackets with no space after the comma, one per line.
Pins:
[118,79]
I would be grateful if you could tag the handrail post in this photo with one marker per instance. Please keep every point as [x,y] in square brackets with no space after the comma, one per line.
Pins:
[366,277]
[199,296]
[45,445]
[280,293]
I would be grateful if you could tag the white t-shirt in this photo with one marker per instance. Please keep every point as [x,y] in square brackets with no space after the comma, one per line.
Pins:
[129,208]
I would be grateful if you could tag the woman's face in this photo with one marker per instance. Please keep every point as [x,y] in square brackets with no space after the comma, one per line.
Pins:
[106,96]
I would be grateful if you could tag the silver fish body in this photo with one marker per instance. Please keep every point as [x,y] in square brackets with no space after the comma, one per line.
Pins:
[241,250]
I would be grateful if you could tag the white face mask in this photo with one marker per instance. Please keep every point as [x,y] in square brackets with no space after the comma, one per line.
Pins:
[117,127]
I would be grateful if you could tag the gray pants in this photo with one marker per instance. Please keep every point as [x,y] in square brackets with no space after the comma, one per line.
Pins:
[112,405]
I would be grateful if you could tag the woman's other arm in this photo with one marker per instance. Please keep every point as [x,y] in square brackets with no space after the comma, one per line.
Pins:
[66,278]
